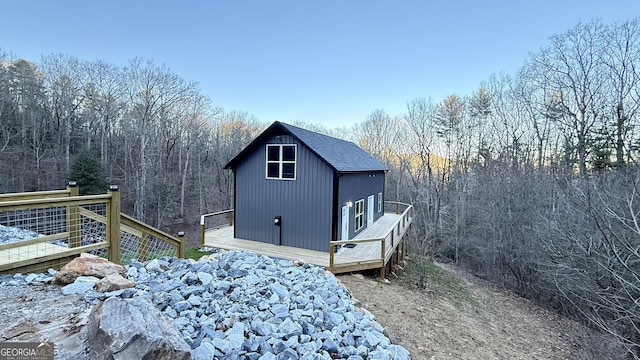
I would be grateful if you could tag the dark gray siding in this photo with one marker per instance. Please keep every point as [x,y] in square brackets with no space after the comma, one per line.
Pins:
[356,186]
[305,204]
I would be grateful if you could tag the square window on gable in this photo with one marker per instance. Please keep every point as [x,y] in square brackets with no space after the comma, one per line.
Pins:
[288,170]
[273,170]
[281,161]
[273,153]
[288,153]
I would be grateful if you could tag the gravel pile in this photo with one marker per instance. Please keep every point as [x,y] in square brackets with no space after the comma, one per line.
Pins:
[10,234]
[239,305]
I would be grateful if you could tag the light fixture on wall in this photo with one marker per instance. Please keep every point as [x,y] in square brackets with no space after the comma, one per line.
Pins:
[348,204]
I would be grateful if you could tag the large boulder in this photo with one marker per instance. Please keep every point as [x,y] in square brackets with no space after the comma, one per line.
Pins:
[120,329]
[87,265]
[113,282]
[35,313]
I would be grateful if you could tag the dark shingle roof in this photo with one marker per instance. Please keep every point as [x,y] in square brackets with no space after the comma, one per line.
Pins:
[341,155]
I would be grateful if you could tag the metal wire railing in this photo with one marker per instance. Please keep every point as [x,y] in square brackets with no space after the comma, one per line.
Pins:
[40,230]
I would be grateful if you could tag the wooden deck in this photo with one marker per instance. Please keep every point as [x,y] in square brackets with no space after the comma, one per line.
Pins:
[25,255]
[32,251]
[222,238]
[363,255]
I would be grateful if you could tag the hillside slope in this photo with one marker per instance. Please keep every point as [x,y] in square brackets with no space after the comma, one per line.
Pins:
[458,316]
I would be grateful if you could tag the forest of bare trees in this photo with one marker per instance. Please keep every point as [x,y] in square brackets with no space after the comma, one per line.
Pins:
[532,181]
[155,134]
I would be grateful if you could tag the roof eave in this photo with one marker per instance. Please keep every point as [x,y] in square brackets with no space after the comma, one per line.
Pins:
[354,171]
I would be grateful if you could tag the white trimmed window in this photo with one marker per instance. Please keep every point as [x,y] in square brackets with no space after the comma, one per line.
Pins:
[379,202]
[359,215]
[281,162]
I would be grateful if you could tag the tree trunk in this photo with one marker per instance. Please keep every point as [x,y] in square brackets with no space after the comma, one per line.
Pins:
[184,182]
[141,181]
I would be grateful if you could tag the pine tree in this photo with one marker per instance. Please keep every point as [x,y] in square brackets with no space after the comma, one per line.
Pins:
[87,172]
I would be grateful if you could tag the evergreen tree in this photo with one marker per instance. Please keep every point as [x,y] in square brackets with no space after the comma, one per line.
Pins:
[87,172]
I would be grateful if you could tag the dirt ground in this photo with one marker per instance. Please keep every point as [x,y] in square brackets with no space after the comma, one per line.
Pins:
[475,321]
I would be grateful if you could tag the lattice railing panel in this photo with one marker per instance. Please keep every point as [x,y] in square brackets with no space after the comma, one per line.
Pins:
[94,230]
[143,248]
[31,227]
[357,252]
[42,221]
[53,231]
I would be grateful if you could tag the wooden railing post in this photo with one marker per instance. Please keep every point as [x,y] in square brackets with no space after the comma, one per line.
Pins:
[182,248]
[383,255]
[202,230]
[331,255]
[113,224]
[72,188]
[203,226]
[73,218]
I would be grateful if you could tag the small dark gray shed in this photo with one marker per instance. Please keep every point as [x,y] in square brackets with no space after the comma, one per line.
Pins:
[295,187]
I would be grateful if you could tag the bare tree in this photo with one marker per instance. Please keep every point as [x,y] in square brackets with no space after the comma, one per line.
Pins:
[377,134]
[427,170]
[8,130]
[27,96]
[232,132]
[63,84]
[571,70]
[593,256]
[104,105]
[621,60]
[196,126]
[479,105]
[155,95]
[530,102]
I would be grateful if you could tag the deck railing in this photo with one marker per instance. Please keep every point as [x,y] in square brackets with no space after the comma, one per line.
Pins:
[215,220]
[380,249]
[344,255]
[49,228]
[69,191]
[146,242]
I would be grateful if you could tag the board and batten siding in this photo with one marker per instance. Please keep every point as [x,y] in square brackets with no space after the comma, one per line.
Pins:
[358,186]
[305,204]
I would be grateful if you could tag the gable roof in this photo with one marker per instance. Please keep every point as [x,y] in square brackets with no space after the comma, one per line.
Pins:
[340,155]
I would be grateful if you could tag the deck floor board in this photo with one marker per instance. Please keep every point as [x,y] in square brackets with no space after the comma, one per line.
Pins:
[26,252]
[362,253]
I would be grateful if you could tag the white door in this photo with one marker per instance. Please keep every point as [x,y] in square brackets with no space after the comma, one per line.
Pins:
[370,210]
[345,223]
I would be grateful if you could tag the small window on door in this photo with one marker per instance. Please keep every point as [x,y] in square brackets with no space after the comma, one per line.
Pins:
[379,202]
[359,221]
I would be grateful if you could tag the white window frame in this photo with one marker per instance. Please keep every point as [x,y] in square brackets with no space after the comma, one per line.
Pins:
[380,202]
[281,162]
[359,215]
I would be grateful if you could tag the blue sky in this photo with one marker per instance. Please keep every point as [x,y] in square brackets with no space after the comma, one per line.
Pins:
[327,62]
